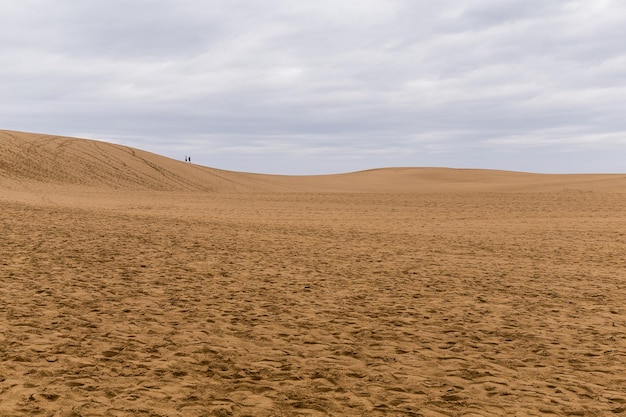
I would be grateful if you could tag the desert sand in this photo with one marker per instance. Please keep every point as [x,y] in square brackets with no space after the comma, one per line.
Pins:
[136,285]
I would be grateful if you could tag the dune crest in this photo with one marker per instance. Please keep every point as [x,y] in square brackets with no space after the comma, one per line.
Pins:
[38,160]
[57,160]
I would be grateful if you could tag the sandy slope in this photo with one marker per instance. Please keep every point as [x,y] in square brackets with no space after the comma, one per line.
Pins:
[131,284]
[34,161]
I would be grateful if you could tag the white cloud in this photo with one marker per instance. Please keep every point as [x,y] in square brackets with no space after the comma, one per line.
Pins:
[387,82]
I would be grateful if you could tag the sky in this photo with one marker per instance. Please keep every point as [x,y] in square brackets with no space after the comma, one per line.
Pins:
[298,87]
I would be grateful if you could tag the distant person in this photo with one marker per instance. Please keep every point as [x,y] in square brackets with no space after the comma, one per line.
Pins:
[185,158]
[189,157]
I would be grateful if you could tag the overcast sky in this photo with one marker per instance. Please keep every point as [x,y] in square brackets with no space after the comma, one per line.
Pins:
[306,87]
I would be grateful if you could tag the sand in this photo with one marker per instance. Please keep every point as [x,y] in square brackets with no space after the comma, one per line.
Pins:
[133,284]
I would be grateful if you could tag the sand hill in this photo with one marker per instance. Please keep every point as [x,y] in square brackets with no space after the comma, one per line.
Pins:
[32,159]
[133,284]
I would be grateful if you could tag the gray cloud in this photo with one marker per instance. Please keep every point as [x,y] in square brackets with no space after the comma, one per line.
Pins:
[311,87]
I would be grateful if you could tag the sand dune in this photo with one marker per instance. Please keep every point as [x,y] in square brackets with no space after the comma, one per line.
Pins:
[133,284]
[60,161]
[29,159]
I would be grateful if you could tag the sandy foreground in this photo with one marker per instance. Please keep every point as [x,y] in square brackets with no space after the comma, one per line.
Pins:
[132,284]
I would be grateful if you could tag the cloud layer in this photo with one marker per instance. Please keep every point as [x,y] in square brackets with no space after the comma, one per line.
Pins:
[282,86]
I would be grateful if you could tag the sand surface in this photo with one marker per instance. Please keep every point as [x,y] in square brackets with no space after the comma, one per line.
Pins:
[132,284]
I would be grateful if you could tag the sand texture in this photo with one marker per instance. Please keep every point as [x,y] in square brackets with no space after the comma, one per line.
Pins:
[136,285]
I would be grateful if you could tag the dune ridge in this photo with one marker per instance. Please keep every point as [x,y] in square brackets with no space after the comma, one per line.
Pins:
[67,161]
[136,285]
[27,158]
